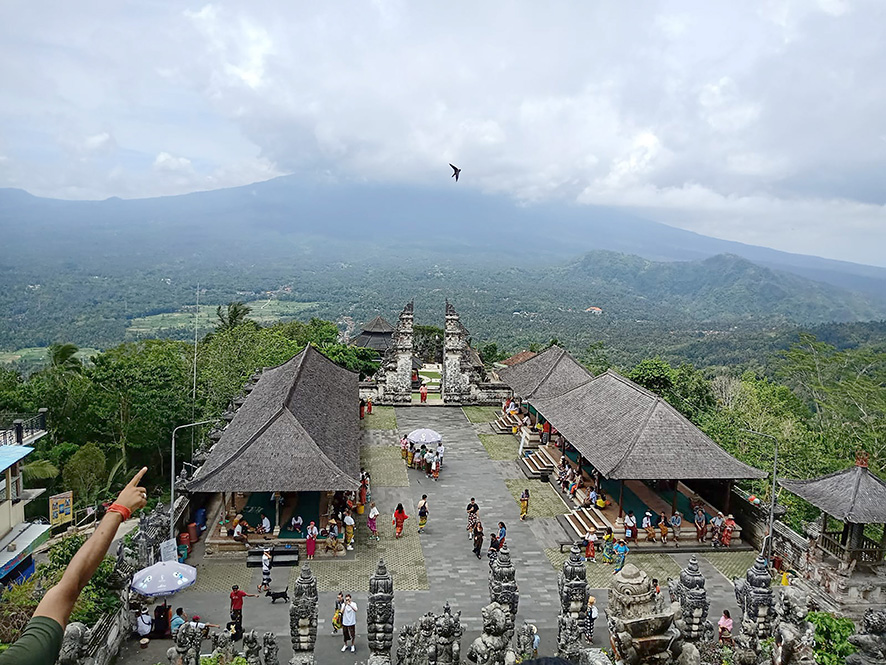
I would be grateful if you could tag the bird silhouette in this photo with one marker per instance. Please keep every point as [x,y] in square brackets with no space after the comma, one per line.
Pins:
[455,172]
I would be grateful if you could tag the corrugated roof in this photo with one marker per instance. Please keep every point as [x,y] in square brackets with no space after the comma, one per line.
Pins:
[9,455]
[549,373]
[627,432]
[853,495]
[296,431]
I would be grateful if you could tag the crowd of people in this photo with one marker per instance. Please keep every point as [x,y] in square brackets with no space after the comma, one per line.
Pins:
[426,458]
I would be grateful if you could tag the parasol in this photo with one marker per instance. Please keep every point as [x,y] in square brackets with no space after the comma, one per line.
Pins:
[163,578]
[424,435]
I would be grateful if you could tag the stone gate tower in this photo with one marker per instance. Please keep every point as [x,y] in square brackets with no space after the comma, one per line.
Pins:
[454,383]
[398,368]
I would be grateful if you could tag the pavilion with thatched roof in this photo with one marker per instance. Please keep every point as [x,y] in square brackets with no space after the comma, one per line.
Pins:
[377,335]
[295,437]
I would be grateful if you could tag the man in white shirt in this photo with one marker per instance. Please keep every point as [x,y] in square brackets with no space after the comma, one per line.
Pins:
[144,623]
[440,451]
[202,627]
[265,524]
[349,623]
[240,535]
[630,526]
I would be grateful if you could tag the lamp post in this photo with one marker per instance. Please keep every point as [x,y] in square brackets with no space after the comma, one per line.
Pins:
[172,483]
[768,546]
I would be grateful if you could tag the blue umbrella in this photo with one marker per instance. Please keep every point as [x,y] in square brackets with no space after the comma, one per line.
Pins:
[163,578]
[424,435]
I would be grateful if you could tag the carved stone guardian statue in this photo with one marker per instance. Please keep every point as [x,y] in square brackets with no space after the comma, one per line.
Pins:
[303,618]
[380,615]
[490,647]
[871,641]
[689,591]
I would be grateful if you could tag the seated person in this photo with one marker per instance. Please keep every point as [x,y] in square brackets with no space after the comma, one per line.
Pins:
[240,531]
[265,525]
[576,485]
[178,620]
[332,543]
[296,524]
[601,501]
[144,624]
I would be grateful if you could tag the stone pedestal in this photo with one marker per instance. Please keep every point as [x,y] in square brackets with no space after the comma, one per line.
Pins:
[689,591]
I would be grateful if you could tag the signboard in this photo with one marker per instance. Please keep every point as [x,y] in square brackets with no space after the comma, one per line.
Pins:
[60,511]
[168,550]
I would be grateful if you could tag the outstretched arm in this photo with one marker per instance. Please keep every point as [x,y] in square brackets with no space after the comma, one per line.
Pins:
[59,600]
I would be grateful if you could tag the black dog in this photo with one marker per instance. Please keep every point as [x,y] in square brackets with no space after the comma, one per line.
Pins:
[277,595]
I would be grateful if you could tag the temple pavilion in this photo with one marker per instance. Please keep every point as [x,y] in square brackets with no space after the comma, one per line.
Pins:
[291,448]
[376,335]
[642,452]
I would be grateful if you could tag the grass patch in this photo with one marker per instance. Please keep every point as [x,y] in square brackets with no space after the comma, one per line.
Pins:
[382,417]
[481,414]
[500,446]
[263,311]
[731,564]
[430,374]
[543,500]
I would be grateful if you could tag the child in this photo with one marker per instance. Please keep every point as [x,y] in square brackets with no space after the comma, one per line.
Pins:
[371,520]
[336,614]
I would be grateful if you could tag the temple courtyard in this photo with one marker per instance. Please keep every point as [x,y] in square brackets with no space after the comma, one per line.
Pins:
[437,566]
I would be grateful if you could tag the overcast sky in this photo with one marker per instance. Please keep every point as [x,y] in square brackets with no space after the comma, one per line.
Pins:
[763,122]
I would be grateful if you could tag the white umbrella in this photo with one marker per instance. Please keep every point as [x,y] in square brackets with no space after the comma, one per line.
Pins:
[163,578]
[424,435]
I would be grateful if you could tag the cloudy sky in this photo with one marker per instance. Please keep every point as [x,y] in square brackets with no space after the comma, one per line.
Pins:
[763,122]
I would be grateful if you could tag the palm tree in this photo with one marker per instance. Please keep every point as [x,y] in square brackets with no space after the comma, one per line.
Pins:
[41,469]
[234,315]
[63,357]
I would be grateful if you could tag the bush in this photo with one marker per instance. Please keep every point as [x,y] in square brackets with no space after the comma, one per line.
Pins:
[831,638]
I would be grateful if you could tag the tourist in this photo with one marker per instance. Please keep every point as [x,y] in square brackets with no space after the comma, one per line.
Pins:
[349,530]
[144,624]
[237,596]
[336,613]
[576,485]
[369,406]
[362,408]
[399,518]
[663,527]
[435,467]
[494,546]
[621,551]
[724,628]
[717,523]
[440,450]
[728,528]
[589,542]
[364,491]
[591,498]
[590,617]
[502,533]
[601,501]
[429,461]
[655,585]
[332,543]
[420,457]
[404,447]
[265,526]
[700,525]
[473,509]
[545,433]
[177,620]
[372,522]
[240,530]
[608,554]
[410,454]
[524,504]
[422,513]
[676,522]
[478,538]
[423,391]
[296,524]
[349,623]
[201,627]
[631,526]
[648,528]
[311,540]
[265,570]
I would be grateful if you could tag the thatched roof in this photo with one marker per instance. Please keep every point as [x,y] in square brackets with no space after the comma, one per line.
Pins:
[551,372]
[854,495]
[627,432]
[518,358]
[297,431]
[376,335]
[378,325]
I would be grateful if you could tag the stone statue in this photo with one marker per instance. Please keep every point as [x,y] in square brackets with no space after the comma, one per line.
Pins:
[74,643]
[524,641]
[794,635]
[252,647]
[270,649]
[447,648]
[406,644]
[755,597]
[380,615]
[223,647]
[303,617]
[568,638]
[490,647]
[184,653]
[572,584]
[689,591]
[593,657]
[871,641]
[644,628]
[747,643]
[503,586]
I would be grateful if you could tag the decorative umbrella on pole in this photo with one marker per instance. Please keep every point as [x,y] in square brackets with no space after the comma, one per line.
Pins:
[425,436]
[163,579]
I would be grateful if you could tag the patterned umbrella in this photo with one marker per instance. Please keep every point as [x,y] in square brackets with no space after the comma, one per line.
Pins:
[424,435]
[163,578]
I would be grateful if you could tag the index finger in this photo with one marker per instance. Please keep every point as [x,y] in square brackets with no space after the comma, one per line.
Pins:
[137,477]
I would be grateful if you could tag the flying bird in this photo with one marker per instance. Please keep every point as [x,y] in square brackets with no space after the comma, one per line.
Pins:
[455,172]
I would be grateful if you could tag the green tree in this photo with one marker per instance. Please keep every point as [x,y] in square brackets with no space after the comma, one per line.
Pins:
[489,353]
[428,343]
[653,374]
[85,473]
[354,358]
[41,469]
[233,315]
[316,331]
[64,357]
[831,638]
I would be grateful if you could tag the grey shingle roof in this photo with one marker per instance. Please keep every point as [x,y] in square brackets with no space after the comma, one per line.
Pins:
[551,372]
[627,432]
[378,325]
[296,431]
[853,495]
[376,335]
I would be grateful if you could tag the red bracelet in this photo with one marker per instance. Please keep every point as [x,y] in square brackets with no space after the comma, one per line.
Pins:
[118,508]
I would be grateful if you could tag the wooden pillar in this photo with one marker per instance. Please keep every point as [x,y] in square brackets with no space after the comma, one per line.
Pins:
[728,501]
[621,491]
[674,500]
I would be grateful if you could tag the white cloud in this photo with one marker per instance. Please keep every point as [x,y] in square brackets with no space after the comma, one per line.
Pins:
[166,162]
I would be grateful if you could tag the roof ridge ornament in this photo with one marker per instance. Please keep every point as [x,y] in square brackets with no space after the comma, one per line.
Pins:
[862,458]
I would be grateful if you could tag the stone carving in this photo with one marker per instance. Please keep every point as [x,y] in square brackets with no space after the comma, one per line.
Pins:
[454,384]
[380,615]
[74,643]
[572,584]
[223,647]
[491,646]
[503,586]
[755,597]
[303,618]
[644,628]
[568,638]
[406,644]
[523,642]
[447,649]
[432,640]
[398,361]
[689,591]
[794,635]
[871,641]
[187,646]
[252,647]
[593,657]
[270,650]
[747,643]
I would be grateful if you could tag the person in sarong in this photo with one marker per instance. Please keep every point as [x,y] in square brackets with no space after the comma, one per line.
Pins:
[429,462]
[590,540]
[398,520]
[590,617]
[372,520]
[621,551]
[311,541]
[494,546]
[423,392]
[608,553]
[728,529]
[648,528]
[362,408]
[524,504]
[336,613]
[349,530]
[369,406]
[478,536]
[410,454]
[419,460]
[473,515]
[364,491]
[332,543]
[700,522]
[422,513]
[266,561]
[435,467]
[663,527]
[404,447]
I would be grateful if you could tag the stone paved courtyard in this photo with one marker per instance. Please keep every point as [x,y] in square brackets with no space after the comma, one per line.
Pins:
[437,566]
